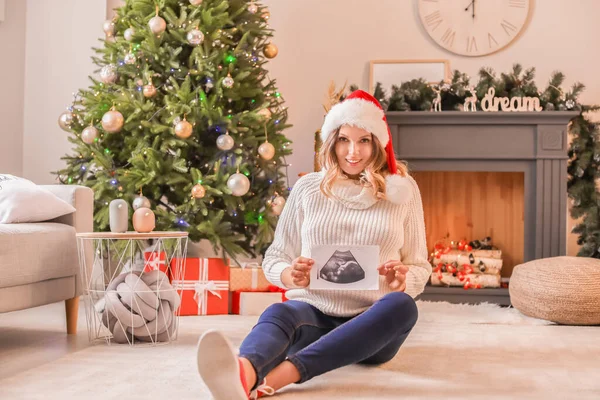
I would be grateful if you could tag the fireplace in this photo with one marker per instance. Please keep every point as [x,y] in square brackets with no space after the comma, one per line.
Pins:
[528,147]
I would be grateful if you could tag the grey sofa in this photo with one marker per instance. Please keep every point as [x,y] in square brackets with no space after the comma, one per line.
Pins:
[39,261]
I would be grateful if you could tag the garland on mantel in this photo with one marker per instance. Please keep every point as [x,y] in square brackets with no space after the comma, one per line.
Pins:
[584,150]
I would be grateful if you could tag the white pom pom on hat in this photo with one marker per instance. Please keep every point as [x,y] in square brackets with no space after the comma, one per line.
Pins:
[362,110]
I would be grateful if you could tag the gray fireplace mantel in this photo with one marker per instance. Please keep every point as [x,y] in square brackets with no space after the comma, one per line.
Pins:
[534,143]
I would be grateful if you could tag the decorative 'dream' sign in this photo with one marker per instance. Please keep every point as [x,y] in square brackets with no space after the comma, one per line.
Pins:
[516,104]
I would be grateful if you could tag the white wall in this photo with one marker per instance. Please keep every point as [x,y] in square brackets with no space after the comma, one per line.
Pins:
[12,77]
[60,36]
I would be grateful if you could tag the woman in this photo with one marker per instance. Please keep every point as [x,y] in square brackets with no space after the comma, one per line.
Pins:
[360,198]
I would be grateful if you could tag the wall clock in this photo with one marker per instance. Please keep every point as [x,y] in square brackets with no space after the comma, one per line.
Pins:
[474,27]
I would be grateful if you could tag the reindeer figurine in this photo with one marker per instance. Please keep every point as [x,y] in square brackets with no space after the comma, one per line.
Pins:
[437,102]
[471,101]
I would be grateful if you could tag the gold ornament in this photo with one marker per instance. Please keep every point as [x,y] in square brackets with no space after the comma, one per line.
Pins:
[89,134]
[277,204]
[112,121]
[266,151]
[252,8]
[198,191]
[183,129]
[266,15]
[109,27]
[149,90]
[157,24]
[265,113]
[270,50]
[65,120]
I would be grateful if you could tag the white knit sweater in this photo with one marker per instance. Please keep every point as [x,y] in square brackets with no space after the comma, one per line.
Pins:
[357,218]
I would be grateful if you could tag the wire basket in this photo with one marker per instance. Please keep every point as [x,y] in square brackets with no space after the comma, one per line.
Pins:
[130,287]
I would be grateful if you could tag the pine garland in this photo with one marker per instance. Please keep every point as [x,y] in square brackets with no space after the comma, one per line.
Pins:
[584,151]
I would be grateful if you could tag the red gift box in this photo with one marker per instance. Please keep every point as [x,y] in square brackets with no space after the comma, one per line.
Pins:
[156,260]
[204,289]
[258,300]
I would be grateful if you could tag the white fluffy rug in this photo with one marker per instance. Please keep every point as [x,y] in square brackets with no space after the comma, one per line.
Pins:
[454,352]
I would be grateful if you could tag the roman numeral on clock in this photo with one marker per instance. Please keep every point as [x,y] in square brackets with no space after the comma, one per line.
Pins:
[507,26]
[433,19]
[448,37]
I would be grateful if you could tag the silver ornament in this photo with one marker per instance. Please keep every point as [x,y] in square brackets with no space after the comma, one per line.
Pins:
[129,34]
[108,74]
[252,8]
[195,37]
[266,151]
[130,58]
[225,142]
[157,25]
[265,113]
[277,205]
[109,27]
[183,129]
[149,90]
[228,82]
[89,135]
[570,104]
[238,184]
[65,120]
[112,121]
[141,201]
[195,2]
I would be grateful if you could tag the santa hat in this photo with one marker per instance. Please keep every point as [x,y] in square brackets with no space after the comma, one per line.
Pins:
[362,110]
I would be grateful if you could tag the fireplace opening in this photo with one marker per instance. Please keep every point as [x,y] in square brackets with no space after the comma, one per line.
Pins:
[467,206]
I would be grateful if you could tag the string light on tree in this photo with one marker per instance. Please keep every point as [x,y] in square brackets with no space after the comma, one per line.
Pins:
[252,8]
[157,24]
[183,129]
[112,121]
[89,134]
[225,142]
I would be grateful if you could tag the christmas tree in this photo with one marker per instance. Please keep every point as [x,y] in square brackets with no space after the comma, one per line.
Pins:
[184,119]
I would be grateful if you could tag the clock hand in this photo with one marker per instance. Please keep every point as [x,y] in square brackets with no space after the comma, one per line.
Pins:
[471,5]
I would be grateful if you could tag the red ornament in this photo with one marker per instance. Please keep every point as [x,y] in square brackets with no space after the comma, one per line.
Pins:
[467,286]
[468,248]
[478,286]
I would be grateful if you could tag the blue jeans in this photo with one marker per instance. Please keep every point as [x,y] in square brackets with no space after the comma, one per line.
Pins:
[317,343]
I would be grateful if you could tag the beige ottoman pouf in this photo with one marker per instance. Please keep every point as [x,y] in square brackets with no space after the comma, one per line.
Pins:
[565,290]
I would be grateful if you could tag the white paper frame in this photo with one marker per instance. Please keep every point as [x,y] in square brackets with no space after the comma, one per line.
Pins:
[395,72]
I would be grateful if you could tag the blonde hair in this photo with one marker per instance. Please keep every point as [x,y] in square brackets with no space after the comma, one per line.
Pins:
[373,175]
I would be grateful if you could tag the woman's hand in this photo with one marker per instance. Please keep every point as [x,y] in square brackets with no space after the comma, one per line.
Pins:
[395,274]
[298,274]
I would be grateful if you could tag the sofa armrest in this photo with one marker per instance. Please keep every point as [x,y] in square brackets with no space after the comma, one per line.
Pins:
[80,197]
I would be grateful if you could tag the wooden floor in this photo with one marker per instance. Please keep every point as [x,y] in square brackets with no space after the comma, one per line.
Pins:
[37,336]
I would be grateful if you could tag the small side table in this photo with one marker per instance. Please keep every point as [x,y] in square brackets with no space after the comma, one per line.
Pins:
[127,284]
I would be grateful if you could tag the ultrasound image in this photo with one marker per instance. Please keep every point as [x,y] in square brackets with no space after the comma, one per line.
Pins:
[342,267]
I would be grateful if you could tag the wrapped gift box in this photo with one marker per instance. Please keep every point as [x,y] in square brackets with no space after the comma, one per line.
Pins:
[248,279]
[205,287]
[255,303]
[154,260]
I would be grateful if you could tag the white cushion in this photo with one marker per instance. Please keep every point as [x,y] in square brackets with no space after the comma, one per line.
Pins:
[23,201]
